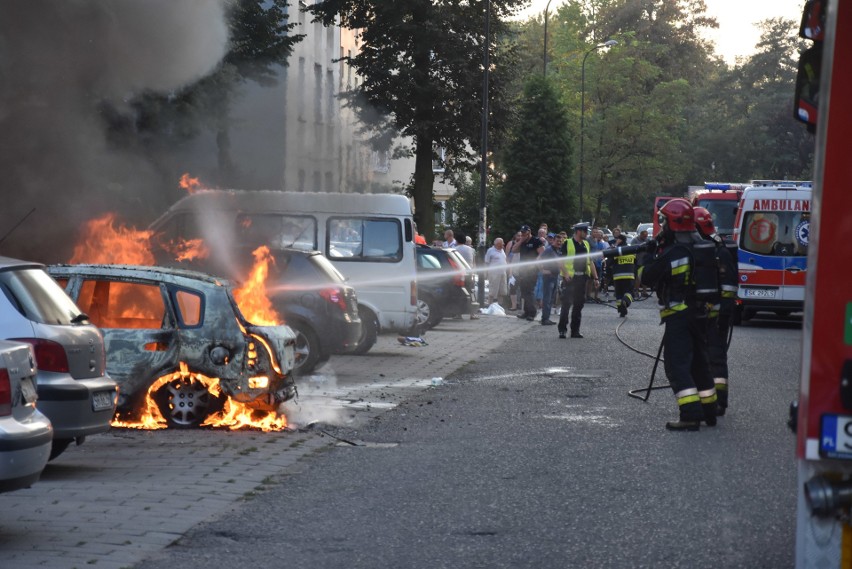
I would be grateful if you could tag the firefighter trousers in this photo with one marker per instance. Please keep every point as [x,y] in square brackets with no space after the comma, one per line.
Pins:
[717,349]
[687,366]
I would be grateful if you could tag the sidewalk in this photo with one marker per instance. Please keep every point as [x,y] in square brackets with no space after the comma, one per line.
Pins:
[126,494]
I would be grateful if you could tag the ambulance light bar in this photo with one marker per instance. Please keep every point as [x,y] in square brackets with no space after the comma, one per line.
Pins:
[782,183]
[723,186]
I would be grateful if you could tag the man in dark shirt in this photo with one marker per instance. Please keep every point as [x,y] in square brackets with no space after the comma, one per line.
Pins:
[529,249]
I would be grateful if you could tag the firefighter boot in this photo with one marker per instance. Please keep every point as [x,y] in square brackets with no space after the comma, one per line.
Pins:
[721,394]
[622,310]
[710,411]
[691,415]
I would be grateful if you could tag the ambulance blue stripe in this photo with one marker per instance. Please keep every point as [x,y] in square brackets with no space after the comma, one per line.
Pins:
[762,261]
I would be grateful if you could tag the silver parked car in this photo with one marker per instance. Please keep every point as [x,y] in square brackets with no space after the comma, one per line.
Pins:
[25,433]
[163,327]
[74,390]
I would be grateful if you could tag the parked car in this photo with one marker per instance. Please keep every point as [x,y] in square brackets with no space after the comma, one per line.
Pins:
[649,227]
[158,321]
[25,433]
[444,282]
[74,389]
[308,292]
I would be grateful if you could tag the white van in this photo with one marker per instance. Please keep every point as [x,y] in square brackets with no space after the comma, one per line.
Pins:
[772,230]
[368,237]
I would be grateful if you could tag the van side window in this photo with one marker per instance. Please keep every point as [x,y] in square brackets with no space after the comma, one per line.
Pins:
[780,234]
[276,231]
[364,239]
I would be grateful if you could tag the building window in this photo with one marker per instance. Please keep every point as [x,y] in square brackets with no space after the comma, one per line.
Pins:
[381,161]
[439,155]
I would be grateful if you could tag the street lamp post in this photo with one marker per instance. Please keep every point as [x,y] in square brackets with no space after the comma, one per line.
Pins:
[484,167]
[607,43]
[544,56]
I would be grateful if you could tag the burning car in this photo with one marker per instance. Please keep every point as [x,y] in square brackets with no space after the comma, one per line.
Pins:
[180,348]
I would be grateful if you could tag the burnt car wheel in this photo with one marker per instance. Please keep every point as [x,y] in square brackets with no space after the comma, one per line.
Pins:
[185,402]
[307,349]
[428,313]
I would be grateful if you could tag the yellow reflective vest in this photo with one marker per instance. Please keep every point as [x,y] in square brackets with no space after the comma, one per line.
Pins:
[568,268]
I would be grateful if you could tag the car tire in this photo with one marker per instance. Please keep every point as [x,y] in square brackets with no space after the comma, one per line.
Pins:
[58,447]
[369,331]
[428,313]
[186,403]
[308,352]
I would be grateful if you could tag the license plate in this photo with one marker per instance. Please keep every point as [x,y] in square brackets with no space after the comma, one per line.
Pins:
[102,400]
[28,390]
[835,437]
[760,292]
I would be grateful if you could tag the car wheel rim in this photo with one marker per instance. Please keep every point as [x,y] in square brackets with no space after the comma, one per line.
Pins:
[302,349]
[423,312]
[188,401]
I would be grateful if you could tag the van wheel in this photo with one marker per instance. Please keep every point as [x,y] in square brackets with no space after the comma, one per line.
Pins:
[369,331]
[58,447]
[307,349]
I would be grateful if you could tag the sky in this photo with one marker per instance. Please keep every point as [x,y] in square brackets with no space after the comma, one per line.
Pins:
[736,35]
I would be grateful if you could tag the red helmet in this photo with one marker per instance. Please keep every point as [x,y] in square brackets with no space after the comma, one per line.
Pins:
[677,215]
[704,221]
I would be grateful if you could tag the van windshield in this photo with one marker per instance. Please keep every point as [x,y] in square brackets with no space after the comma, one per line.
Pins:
[781,233]
[37,297]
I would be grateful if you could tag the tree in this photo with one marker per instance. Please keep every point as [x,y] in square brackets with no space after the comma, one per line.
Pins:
[464,203]
[539,182]
[421,64]
[260,42]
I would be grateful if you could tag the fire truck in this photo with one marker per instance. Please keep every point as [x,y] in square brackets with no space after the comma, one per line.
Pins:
[823,421]
[721,200]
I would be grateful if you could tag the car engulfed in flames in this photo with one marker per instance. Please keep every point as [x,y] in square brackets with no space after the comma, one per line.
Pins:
[181,349]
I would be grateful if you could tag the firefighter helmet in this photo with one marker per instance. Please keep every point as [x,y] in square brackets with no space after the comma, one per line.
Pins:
[677,215]
[704,221]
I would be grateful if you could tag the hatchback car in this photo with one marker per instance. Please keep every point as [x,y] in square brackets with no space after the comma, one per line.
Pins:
[444,282]
[74,389]
[25,433]
[311,296]
[165,327]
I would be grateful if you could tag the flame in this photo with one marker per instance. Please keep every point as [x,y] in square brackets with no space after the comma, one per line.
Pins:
[252,297]
[104,242]
[233,416]
[190,184]
[189,250]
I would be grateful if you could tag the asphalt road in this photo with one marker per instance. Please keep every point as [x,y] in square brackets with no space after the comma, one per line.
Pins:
[534,456]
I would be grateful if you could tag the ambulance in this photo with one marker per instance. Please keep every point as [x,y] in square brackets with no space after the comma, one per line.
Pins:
[771,232]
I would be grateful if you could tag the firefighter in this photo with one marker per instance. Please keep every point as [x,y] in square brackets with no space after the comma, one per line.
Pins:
[623,270]
[676,266]
[719,321]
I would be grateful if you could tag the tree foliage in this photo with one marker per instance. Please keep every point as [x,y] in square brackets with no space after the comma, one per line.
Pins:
[662,111]
[539,185]
[421,65]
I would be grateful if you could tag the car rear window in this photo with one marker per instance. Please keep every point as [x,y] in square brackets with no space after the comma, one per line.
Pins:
[36,295]
[112,304]
[294,268]
[428,262]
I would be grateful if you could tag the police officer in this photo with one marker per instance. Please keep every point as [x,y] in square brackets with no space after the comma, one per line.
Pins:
[575,271]
[623,269]
[674,269]
[719,321]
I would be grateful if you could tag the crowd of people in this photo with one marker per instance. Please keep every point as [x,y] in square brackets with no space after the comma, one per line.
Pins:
[529,275]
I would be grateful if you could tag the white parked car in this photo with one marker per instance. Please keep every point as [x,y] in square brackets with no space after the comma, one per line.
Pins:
[25,434]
